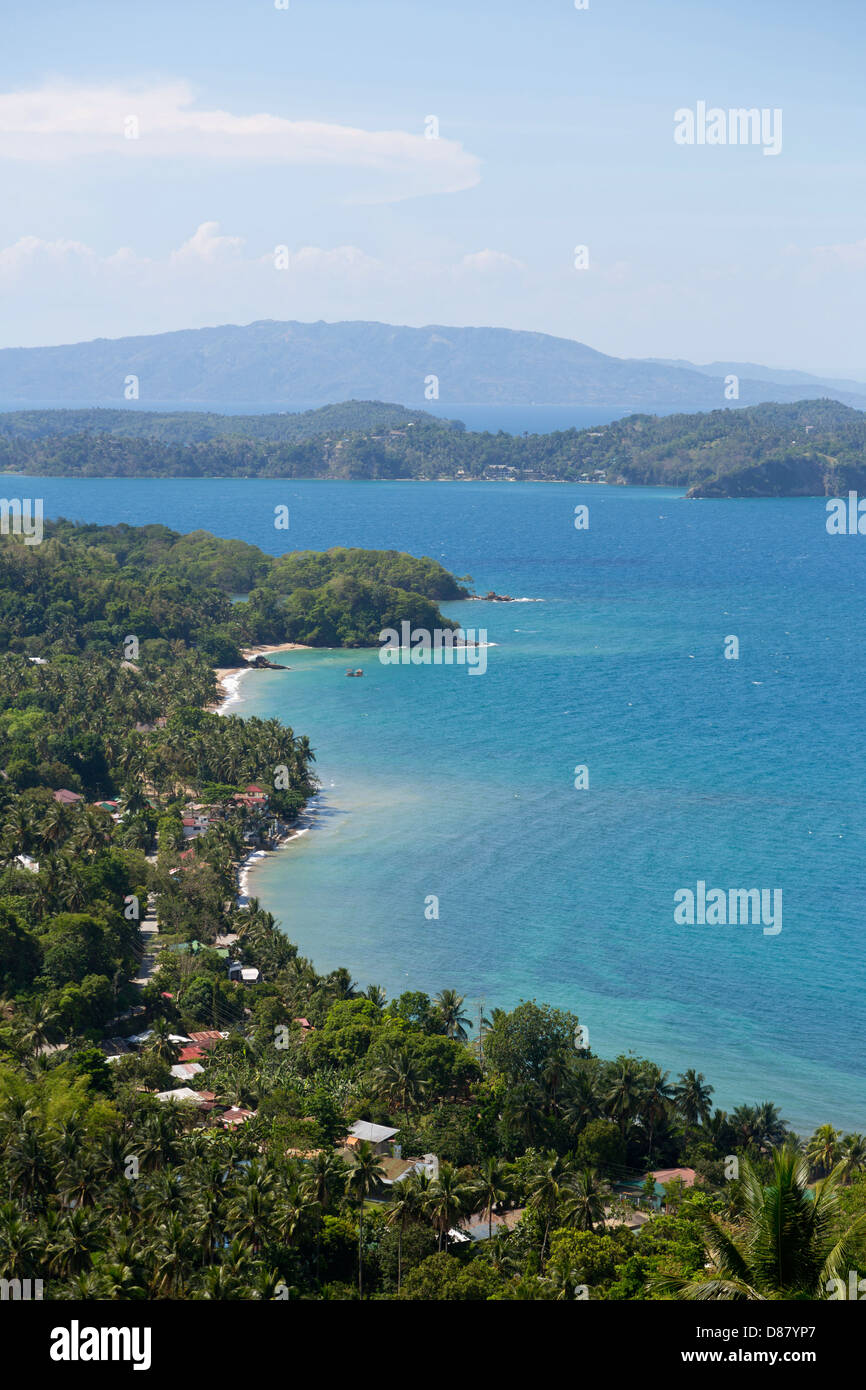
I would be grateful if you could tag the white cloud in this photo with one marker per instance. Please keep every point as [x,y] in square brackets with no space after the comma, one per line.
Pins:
[849,255]
[207,246]
[486,261]
[29,252]
[62,122]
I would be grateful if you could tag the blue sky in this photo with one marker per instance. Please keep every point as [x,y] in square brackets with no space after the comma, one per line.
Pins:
[304,128]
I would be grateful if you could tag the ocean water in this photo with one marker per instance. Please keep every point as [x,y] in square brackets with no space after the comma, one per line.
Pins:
[742,773]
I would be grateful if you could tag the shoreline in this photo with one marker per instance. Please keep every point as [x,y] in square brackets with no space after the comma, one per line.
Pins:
[229,677]
[257,857]
[228,683]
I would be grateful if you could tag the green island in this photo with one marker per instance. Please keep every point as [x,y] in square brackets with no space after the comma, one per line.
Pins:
[189,1110]
[809,448]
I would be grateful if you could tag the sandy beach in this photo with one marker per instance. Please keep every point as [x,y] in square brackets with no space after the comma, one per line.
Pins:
[229,677]
[258,856]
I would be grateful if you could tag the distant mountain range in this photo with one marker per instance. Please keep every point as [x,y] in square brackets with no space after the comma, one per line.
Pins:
[276,365]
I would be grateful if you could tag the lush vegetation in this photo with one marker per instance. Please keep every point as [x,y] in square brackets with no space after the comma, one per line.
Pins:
[87,588]
[199,426]
[540,1147]
[814,447]
[212,1156]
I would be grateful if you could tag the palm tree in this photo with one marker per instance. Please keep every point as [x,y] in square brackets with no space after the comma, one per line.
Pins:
[376,994]
[585,1206]
[854,1153]
[623,1095]
[448,1200]
[328,1175]
[38,1026]
[823,1150]
[398,1081]
[491,1187]
[550,1186]
[450,1006]
[582,1102]
[554,1073]
[522,1113]
[250,1211]
[691,1095]
[790,1242]
[407,1204]
[159,1043]
[365,1178]
[655,1101]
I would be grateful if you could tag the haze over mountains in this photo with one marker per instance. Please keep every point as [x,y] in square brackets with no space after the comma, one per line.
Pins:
[276,365]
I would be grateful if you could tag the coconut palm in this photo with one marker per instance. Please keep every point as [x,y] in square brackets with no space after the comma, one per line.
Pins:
[491,1187]
[554,1073]
[824,1149]
[38,1025]
[159,1043]
[448,1199]
[854,1153]
[364,1179]
[550,1187]
[584,1207]
[581,1102]
[397,1080]
[655,1102]
[406,1206]
[691,1095]
[790,1241]
[450,1006]
[623,1092]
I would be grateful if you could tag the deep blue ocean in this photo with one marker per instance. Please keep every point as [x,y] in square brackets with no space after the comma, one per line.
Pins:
[742,773]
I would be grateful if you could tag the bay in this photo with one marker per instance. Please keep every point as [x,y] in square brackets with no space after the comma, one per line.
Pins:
[745,773]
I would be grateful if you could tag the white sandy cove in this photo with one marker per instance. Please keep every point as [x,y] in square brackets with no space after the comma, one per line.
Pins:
[229,677]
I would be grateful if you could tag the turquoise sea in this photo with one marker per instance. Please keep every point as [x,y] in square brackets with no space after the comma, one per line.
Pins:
[742,773]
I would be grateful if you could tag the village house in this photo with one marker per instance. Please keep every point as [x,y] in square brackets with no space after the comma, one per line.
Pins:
[66,797]
[236,1116]
[380,1136]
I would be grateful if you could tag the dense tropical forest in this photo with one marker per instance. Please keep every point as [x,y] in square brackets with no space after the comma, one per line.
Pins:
[86,587]
[196,427]
[811,448]
[190,1110]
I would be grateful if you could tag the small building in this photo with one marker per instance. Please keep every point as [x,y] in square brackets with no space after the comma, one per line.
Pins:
[250,974]
[380,1136]
[207,1038]
[237,1116]
[66,797]
[185,1071]
[183,1093]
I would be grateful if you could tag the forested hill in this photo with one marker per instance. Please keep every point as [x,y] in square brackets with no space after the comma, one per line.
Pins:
[810,448]
[199,426]
[85,588]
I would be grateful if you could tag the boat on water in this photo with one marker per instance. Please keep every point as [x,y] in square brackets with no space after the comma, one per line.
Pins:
[359,672]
